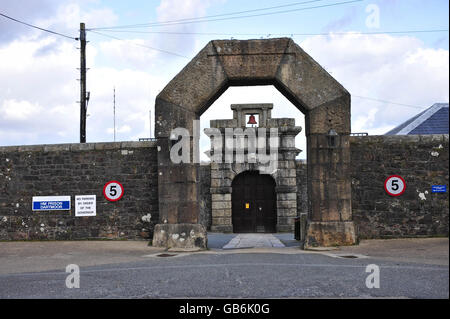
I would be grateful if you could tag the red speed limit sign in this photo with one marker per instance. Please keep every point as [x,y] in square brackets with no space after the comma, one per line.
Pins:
[394,185]
[113,191]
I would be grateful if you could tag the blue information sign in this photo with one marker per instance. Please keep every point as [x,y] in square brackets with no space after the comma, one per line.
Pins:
[439,188]
[51,203]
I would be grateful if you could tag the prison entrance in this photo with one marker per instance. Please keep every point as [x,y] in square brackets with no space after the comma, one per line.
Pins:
[324,101]
[254,207]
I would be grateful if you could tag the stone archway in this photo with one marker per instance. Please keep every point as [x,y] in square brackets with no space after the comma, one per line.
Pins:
[325,103]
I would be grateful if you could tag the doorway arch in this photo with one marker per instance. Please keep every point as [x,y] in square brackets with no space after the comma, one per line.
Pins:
[254,206]
[283,64]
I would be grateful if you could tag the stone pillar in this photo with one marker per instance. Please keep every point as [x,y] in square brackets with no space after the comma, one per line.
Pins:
[177,183]
[286,175]
[330,218]
[178,203]
[286,208]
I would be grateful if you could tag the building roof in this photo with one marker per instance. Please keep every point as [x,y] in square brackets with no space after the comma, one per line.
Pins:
[433,120]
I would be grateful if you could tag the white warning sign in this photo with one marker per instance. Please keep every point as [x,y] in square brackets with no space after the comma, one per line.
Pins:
[85,205]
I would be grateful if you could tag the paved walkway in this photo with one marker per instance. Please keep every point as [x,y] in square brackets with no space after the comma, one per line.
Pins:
[253,240]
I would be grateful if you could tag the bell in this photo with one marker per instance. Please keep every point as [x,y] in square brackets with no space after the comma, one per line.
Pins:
[251,119]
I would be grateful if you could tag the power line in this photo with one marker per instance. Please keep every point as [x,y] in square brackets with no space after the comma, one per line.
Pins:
[140,45]
[156,24]
[172,53]
[281,34]
[242,34]
[39,28]
[206,17]
[261,9]
[388,102]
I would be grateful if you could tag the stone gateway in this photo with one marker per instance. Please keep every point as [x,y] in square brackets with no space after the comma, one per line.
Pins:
[339,195]
[325,103]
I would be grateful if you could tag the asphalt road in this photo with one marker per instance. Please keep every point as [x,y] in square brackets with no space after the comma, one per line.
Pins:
[286,273]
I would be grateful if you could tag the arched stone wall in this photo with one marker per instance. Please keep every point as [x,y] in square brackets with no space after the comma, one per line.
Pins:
[282,63]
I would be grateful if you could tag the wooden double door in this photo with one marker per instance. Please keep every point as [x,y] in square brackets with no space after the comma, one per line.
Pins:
[254,207]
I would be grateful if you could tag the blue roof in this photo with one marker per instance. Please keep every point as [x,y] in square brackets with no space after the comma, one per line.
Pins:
[433,120]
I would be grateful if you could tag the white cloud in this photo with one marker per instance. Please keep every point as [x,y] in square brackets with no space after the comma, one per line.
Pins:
[170,10]
[69,15]
[128,52]
[26,10]
[159,53]
[398,69]
[135,93]
[63,16]
[363,121]
[12,110]
[38,86]
[39,91]
[122,129]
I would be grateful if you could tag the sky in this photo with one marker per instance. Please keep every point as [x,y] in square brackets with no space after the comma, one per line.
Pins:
[136,47]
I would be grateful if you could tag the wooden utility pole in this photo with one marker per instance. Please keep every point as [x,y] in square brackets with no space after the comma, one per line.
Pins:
[82,83]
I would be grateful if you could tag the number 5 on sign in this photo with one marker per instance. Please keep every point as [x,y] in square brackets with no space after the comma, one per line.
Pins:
[113,191]
[395,185]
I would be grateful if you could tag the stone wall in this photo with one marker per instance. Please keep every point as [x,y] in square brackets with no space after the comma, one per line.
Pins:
[83,169]
[422,160]
[78,169]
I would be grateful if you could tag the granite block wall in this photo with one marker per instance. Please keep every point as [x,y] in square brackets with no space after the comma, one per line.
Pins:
[83,169]
[422,161]
[78,169]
